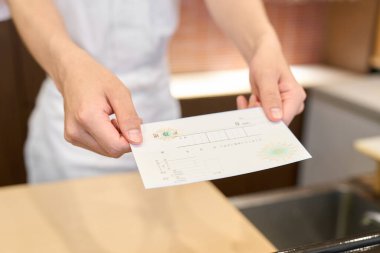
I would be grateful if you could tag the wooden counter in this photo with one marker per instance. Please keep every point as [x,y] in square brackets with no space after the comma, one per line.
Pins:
[116,214]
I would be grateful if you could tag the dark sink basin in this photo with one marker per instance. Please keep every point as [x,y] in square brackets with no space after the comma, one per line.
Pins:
[297,217]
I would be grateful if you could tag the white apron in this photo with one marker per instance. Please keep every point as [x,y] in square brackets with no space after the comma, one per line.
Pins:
[130,38]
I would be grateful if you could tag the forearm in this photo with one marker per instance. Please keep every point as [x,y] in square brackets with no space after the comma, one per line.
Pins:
[42,29]
[245,22]
[91,93]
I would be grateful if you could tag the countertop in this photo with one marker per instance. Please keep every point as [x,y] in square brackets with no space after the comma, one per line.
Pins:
[360,92]
[354,89]
[235,82]
[115,213]
[369,147]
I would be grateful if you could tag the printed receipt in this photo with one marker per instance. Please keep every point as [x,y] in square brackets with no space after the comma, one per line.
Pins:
[213,146]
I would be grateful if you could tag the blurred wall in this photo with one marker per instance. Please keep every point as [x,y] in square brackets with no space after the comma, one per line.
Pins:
[199,45]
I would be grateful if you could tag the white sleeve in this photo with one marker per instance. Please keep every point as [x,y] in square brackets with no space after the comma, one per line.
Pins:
[4,11]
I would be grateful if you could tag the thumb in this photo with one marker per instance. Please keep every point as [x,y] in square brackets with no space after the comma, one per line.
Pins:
[270,96]
[127,118]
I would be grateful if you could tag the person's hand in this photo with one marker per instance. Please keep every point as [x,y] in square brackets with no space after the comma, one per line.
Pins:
[273,85]
[91,94]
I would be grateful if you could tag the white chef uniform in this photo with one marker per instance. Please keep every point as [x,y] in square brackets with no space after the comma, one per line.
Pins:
[130,38]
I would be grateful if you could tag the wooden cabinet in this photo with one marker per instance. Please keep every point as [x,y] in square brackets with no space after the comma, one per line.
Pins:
[350,34]
[20,78]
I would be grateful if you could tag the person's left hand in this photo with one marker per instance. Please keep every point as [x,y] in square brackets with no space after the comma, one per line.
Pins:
[273,85]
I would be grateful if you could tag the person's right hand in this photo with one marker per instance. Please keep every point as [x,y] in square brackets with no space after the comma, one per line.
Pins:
[91,94]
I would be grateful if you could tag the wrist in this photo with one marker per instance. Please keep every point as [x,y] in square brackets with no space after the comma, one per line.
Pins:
[66,59]
[266,40]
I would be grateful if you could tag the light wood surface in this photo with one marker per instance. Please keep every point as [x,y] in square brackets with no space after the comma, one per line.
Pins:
[371,148]
[116,214]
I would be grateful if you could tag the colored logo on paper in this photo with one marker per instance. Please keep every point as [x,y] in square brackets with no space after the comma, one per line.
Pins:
[165,134]
[278,151]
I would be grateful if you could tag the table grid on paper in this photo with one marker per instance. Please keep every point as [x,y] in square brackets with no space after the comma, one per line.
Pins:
[215,136]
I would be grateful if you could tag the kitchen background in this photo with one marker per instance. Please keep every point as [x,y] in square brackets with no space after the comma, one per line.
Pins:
[333,45]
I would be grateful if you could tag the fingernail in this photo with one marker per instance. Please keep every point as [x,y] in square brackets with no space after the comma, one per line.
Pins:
[134,135]
[276,113]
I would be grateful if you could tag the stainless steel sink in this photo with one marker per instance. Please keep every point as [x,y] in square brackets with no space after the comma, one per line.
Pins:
[291,218]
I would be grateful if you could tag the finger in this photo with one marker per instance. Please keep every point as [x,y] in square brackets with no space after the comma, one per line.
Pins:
[270,98]
[81,138]
[241,102]
[253,101]
[88,142]
[291,109]
[116,125]
[293,103]
[100,127]
[127,118]
[302,107]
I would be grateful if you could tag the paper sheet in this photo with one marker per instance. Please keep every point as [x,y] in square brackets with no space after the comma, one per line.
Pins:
[213,146]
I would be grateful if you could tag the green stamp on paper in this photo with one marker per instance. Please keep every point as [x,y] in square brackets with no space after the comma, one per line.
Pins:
[277,152]
[165,134]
